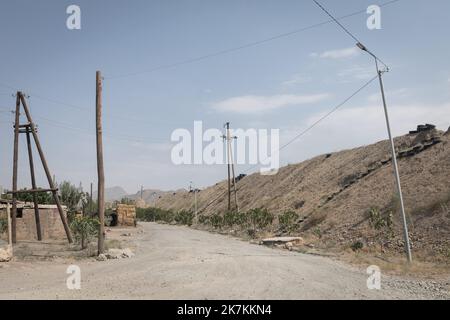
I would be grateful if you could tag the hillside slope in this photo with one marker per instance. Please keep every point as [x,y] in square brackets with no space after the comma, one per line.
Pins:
[333,194]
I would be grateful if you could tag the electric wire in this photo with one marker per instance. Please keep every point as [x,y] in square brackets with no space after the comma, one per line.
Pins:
[302,133]
[347,31]
[245,46]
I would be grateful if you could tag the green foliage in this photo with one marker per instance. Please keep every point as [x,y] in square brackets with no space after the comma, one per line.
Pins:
[89,208]
[216,221]
[202,219]
[154,215]
[3,224]
[378,221]
[241,219]
[260,218]
[357,245]
[42,197]
[184,217]
[287,220]
[257,218]
[126,200]
[70,195]
[318,232]
[84,229]
[229,218]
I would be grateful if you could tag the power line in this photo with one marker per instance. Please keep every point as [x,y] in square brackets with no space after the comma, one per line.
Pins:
[86,131]
[188,61]
[328,113]
[298,136]
[244,46]
[346,30]
[84,109]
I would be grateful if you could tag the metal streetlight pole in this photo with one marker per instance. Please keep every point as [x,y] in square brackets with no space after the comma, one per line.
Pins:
[394,154]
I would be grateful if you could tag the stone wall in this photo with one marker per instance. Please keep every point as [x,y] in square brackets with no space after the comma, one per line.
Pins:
[51,225]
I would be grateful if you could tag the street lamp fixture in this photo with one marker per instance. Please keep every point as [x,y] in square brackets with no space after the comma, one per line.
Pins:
[394,154]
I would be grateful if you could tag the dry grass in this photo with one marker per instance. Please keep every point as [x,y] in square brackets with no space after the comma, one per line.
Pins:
[397,265]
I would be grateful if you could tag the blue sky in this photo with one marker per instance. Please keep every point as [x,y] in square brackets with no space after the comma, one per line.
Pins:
[261,86]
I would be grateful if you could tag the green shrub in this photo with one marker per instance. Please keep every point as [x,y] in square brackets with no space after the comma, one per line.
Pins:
[233,218]
[358,245]
[184,217]
[202,219]
[230,218]
[166,216]
[259,218]
[287,220]
[154,215]
[84,229]
[379,221]
[216,221]
[318,232]
[241,219]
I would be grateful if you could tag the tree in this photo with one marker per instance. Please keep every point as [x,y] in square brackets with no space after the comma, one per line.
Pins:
[42,197]
[84,230]
[72,197]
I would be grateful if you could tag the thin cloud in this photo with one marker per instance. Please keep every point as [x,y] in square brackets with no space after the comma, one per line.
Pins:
[357,72]
[394,94]
[338,54]
[296,79]
[257,104]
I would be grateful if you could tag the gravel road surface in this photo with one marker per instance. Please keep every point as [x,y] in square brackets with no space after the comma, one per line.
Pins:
[173,262]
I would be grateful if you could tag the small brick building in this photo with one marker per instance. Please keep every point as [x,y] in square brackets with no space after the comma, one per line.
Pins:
[51,225]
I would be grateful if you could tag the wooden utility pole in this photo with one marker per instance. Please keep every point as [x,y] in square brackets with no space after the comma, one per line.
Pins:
[230,163]
[234,179]
[34,186]
[227,137]
[100,169]
[15,168]
[194,189]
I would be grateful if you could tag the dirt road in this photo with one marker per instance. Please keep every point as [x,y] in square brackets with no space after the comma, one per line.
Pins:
[174,262]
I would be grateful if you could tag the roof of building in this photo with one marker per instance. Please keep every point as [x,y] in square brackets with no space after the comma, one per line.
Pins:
[28,205]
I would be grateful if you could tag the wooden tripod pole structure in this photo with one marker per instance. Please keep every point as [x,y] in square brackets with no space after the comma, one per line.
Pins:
[34,186]
[31,128]
[100,170]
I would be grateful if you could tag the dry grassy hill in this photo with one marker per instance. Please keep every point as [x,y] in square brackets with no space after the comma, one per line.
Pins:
[333,195]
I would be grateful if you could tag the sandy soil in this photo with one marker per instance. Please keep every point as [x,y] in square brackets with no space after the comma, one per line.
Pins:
[173,262]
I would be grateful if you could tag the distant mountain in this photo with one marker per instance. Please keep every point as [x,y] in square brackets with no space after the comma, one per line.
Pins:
[150,196]
[113,194]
